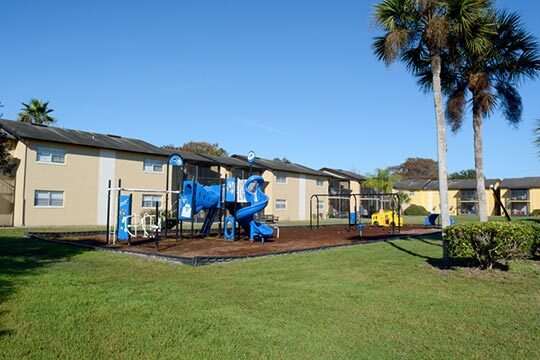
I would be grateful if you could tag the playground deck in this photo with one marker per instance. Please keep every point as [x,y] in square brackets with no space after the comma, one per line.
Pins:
[290,240]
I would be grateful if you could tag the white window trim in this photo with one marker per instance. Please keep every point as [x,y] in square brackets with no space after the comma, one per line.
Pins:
[282,182]
[51,162]
[51,207]
[281,209]
[153,171]
[151,207]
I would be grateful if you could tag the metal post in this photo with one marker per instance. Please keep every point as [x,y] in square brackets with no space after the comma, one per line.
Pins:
[156,234]
[181,191]
[167,198]
[108,210]
[117,209]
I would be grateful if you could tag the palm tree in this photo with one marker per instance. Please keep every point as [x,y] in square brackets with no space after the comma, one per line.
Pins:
[490,78]
[36,112]
[382,181]
[417,31]
[537,135]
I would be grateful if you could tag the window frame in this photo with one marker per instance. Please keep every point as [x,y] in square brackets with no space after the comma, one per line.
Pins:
[153,161]
[50,193]
[516,198]
[153,206]
[284,202]
[317,181]
[51,150]
[281,176]
[320,202]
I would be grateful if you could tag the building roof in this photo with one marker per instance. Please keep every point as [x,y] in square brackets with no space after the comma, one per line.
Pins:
[521,183]
[21,130]
[350,175]
[411,184]
[231,162]
[283,166]
[192,158]
[461,184]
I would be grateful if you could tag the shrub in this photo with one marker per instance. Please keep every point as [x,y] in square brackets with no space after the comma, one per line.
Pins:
[535,228]
[491,242]
[415,210]
[535,212]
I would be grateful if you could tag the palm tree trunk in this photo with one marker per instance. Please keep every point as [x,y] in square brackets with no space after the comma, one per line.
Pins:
[441,145]
[479,163]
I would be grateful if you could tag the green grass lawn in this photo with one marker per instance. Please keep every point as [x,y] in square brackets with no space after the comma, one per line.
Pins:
[380,301]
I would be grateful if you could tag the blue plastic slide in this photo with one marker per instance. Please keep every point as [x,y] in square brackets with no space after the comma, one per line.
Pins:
[431,220]
[197,197]
[257,200]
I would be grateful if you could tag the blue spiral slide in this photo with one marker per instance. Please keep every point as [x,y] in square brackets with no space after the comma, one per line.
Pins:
[197,197]
[257,200]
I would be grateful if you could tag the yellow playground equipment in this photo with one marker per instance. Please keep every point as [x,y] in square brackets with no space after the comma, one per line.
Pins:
[386,218]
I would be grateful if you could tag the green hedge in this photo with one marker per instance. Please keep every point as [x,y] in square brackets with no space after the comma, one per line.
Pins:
[535,212]
[491,242]
[414,209]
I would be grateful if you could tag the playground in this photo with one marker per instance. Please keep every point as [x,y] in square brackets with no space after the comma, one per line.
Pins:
[291,239]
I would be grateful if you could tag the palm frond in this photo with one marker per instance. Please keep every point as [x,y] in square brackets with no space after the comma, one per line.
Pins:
[509,101]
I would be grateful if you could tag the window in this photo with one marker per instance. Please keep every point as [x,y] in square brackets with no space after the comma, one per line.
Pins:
[320,204]
[281,204]
[281,179]
[150,201]
[153,165]
[522,195]
[519,209]
[320,183]
[50,155]
[468,195]
[48,198]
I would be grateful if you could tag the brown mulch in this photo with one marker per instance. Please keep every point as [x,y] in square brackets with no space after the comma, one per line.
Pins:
[290,239]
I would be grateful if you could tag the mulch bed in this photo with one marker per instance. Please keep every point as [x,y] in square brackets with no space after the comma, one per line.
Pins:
[199,251]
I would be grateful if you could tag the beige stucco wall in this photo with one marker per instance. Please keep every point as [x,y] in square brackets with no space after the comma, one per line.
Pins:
[290,191]
[534,198]
[130,169]
[430,199]
[77,178]
[534,195]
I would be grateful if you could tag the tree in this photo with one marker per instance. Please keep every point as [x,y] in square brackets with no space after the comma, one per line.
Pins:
[463,174]
[199,147]
[382,181]
[36,112]
[416,31]
[488,79]
[416,169]
[284,160]
[7,163]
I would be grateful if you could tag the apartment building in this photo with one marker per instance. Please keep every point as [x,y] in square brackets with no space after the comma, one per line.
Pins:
[462,195]
[521,196]
[290,188]
[62,175]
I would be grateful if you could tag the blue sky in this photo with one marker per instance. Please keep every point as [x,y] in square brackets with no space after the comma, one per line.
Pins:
[285,78]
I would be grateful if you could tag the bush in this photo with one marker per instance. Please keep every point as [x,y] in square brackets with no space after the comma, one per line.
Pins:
[415,210]
[535,228]
[536,212]
[492,242]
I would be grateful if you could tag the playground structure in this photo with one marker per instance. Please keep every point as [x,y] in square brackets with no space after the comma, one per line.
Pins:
[233,202]
[358,206]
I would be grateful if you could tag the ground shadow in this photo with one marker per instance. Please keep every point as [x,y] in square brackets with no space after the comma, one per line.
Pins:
[20,257]
[438,262]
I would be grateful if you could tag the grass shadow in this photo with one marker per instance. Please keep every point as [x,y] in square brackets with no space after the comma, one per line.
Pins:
[439,262]
[20,257]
